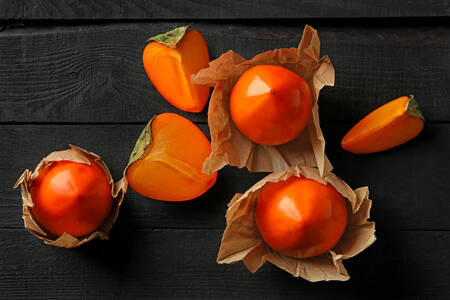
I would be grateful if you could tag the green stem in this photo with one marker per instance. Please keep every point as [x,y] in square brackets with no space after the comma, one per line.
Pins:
[170,38]
[143,142]
[412,108]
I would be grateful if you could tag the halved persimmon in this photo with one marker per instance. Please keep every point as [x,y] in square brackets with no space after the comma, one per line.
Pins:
[170,60]
[300,217]
[71,197]
[270,105]
[167,161]
[390,125]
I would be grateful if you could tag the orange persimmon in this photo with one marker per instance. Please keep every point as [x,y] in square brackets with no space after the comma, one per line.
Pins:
[170,60]
[166,163]
[300,217]
[390,125]
[71,197]
[270,105]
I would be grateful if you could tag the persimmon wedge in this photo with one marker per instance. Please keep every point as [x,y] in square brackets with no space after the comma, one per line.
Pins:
[300,217]
[167,161]
[170,60]
[270,105]
[390,125]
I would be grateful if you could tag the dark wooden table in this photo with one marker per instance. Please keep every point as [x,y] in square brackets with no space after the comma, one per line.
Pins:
[71,72]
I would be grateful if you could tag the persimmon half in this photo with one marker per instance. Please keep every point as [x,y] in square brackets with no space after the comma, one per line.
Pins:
[170,60]
[270,105]
[390,125]
[300,217]
[167,161]
[71,197]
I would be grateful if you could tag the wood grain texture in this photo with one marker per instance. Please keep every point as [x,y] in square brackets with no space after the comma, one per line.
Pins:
[94,73]
[233,9]
[180,264]
[407,184]
[71,72]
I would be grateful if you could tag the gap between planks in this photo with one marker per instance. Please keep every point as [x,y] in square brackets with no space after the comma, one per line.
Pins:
[144,123]
[221,229]
[332,21]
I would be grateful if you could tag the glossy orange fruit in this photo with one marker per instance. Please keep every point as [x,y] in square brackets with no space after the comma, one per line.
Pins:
[170,66]
[168,166]
[300,217]
[270,105]
[71,197]
[390,125]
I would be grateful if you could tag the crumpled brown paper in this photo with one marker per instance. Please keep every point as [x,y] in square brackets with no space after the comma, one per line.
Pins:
[75,154]
[230,146]
[242,241]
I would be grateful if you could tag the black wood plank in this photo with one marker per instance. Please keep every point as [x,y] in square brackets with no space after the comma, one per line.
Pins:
[216,9]
[180,264]
[94,73]
[408,184]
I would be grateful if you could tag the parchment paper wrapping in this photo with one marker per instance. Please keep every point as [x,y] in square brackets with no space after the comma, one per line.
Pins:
[75,154]
[242,241]
[230,146]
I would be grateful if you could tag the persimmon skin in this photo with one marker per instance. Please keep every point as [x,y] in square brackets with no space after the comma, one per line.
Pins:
[270,105]
[171,169]
[71,197]
[386,127]
[300,217]
[170,70]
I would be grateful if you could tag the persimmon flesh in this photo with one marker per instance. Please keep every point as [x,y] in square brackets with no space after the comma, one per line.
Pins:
[300,217]
[270,105]
[390,125]
[170,70]
[171,167]
[71,197]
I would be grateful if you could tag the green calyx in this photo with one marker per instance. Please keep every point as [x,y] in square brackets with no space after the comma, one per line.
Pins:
[170,38]
[412,108]
[143,142]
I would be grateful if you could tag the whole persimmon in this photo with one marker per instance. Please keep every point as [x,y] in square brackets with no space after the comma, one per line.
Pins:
[270,105]
[170,60]
[300,217]
[167,161]
[71,197]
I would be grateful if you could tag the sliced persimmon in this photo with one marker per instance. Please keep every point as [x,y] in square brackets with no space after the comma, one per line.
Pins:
[170,60]
[166,163]
[390,125]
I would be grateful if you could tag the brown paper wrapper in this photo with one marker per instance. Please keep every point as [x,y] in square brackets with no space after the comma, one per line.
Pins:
[230,146]
[79,155]
[242,241]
